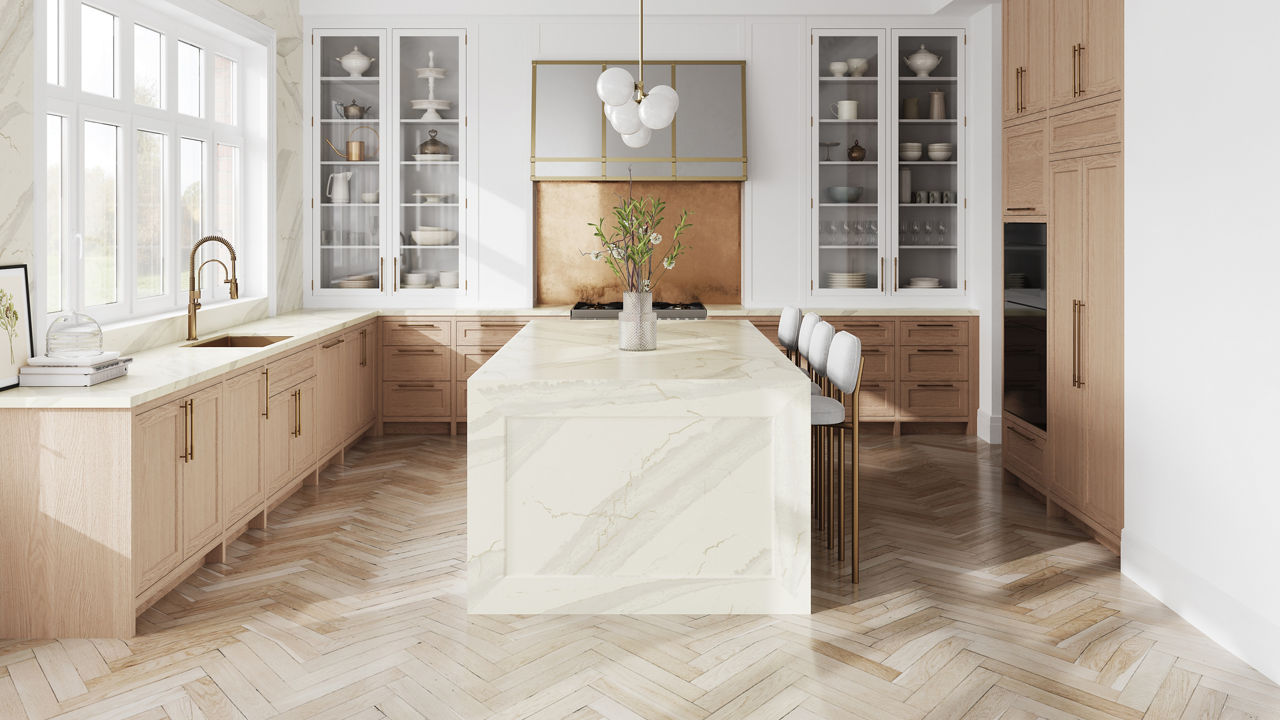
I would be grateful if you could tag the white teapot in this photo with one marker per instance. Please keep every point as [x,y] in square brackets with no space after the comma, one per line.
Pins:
[355,62]
[922,62]
[338,189]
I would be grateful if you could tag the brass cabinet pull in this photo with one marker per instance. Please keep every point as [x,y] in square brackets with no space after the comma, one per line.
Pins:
[334,343]
[936,325]
[1075,78]
[417,325]
[895,274]
[937,385]
[872,351]
[880,285]
[364,335]
[413,351]
[1075,343]
[297,412]
[186,432]
[1019,209]
[266,393]
[935,350]
[1080,345]
[1020,434]
[866,386]
[485,324]
[380,273]
[395,274]
[415,386]
[1080,65]
[489,350]
[1018,91]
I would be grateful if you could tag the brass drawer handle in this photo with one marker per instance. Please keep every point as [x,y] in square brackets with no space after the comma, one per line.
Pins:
[936,325]
[424,351]
[1020,434]
[266,393]
[418,325]
[935,350]
[364,336]
[1019,209]
[415,386]
[500,323]
[489,350]
[937,385]
[335,343]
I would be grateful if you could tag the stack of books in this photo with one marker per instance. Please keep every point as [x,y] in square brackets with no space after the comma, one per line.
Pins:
[45,371]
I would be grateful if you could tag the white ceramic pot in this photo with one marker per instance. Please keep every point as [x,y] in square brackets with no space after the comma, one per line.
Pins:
[838,69]
[355,62]
[857,66]
[922,62]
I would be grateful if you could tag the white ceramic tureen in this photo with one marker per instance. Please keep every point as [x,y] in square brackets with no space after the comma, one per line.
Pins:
[355,62]
[922,61]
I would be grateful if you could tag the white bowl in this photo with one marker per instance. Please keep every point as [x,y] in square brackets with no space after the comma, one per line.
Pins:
[939,155]
[369,197]
[941,146]
[910,146]
[909,155]
[433,236]
[448,278]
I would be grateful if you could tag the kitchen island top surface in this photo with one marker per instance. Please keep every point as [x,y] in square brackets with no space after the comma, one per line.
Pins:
[575,350]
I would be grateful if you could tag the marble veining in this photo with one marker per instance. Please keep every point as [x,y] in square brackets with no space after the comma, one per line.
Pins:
[672,481]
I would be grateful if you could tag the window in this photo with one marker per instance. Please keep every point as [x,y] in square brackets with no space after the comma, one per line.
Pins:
[142,158]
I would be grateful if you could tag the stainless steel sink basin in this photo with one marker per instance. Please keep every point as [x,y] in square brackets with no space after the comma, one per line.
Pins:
[240,341]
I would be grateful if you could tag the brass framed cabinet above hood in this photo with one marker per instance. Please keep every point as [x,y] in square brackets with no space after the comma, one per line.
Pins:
[570,137]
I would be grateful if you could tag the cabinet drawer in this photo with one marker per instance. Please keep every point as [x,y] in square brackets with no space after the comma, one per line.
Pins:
[492,333]
[922,364]
[875,400]
[460,400]
[415,363]
[417,399]
[935,400]
[1087,128]
[878,364]
[469,360]
[416,331]
[284,374]
[935,332]
[870,332]
[1023,452]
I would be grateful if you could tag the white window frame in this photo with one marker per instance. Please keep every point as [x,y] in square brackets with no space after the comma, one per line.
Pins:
[181,20]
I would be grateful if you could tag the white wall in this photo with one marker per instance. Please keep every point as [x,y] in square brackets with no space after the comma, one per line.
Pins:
[1202,247]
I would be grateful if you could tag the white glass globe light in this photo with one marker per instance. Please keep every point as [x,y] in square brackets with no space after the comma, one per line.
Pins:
[615,86]
[658,108]
[625,118]
[637,139]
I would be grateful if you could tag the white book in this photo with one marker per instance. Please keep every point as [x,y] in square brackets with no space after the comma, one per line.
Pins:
[87,360]
[72,370]
[42,380]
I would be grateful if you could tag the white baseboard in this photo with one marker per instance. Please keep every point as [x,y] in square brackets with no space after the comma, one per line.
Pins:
[989,427]
[1228,622]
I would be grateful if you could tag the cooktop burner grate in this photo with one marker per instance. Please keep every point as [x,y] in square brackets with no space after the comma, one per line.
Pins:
[664,310]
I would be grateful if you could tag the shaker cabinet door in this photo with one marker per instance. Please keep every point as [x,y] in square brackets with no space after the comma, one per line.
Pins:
[244,401]
[159,441]
[201,496]
[1065,404]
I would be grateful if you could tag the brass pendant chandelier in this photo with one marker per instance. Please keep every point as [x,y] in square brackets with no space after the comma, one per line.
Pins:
[634,113]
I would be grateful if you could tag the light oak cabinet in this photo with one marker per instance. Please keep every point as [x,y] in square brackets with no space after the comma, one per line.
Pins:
[244,403]
[331,405]
[159,444]
[1086,339]
[1026,164]
[1086,49]
[201,499]
[360,375]
[1026,57]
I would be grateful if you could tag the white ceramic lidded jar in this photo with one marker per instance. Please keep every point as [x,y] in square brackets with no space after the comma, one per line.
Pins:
[922,62]
[355,62]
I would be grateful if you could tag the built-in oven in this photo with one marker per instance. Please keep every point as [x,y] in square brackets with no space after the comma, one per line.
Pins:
[1025,321]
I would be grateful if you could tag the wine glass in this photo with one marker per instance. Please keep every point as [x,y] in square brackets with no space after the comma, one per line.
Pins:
[846,232]
[858,230]
[830,230]
[915,232]
[942,233]
[928,230]
[874,231]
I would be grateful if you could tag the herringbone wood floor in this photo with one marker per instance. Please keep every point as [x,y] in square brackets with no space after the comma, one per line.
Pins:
[351,605]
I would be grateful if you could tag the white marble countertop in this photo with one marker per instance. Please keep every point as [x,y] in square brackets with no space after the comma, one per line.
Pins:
[159,371]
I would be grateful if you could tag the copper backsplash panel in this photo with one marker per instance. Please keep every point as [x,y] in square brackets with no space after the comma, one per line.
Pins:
[711,271]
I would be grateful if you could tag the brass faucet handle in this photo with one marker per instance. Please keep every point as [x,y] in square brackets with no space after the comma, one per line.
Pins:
[234,288]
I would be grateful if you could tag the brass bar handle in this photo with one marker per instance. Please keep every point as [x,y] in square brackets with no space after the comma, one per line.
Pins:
[936,350]
[1075,49]
[417,325]
[415,386]
[380,273]
[1080,74]
[412,351]
[895,274]
[1080,345]
[1020,434]
[266,393]
[936,325]
[489,350]
[937,385]
[191,430]
[333,344]
[870,385]
[1022,90]
[1017,91]
[880,285]
[485,323]
[395,274]
[364,357]
[186,424]
[297,412]
[1075,342]
[1019,209]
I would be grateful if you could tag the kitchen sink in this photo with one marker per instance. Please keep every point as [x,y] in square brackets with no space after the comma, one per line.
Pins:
[240,341]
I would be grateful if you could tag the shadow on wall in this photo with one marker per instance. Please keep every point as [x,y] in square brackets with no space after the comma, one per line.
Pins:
[710,271]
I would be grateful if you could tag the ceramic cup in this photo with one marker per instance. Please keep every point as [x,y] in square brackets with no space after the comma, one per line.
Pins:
[838,69]
[919,196]
[369,197]
[857,66]
[948,196]
[935,197]
[845,109]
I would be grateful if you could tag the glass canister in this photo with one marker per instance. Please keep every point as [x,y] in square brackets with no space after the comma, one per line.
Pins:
[73,335]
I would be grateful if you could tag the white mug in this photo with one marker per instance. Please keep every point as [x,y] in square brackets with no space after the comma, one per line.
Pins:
[845,109]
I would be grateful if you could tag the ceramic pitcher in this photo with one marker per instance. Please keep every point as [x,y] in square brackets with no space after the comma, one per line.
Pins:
[338,189]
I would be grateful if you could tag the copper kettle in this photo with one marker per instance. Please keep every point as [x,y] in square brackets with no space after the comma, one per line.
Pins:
[354,111]
[355,148]
[432,146]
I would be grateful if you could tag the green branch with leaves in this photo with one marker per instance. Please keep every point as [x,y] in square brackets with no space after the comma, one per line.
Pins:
[631,246]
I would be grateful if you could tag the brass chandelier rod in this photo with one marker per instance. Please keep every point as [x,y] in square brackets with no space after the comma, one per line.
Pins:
[640,83]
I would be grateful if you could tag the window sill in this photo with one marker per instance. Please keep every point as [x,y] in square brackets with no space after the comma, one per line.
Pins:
[140,334]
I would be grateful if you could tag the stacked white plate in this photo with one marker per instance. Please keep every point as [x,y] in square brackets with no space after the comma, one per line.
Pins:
[448,278]
[1015,280]
[357,281]
[432,157]
[846,280]
[940,151]
[924,282]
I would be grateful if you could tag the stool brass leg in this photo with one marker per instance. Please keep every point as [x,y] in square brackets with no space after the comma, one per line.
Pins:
[840,476]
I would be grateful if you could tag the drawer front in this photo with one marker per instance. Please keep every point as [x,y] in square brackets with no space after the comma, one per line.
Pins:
[469,360]
[1023,453]
[460,400]
[284,374]
[875,400]
[922,364]
[935,400]
[935,332]
[878,364]
[417,399]
[490,333]
[1087,128]
[416,331]
[870,332]
[416,363]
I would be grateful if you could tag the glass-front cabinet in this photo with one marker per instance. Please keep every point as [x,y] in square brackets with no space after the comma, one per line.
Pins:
[886,181]
[389,159]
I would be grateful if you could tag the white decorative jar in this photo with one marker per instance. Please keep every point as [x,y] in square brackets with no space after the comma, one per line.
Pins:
[922,62]
[637,323]
[355,62]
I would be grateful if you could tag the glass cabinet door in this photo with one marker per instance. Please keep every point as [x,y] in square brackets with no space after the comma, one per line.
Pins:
[430,155]
[348,215]
[929,148]
[847,231]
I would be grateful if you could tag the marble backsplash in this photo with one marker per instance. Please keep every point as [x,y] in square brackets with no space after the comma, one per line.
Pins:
[17,241]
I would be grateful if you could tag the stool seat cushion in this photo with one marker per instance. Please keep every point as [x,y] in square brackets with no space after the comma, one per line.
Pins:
[825,411]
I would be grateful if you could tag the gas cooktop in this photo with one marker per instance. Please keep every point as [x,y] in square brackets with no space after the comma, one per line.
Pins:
[664,311]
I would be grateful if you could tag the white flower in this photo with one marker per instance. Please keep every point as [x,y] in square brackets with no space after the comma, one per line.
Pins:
[597,254]
[617,252]
[655,238]
[668,262]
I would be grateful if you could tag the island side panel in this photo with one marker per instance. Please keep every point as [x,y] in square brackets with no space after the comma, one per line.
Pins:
[666,496]
[65,537]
